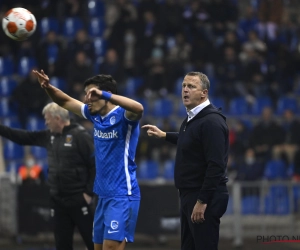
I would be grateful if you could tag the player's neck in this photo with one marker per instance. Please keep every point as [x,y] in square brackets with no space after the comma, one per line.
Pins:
[107,108]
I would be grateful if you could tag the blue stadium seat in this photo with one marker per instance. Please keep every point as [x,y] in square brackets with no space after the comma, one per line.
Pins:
[277,201]
[260,104]
[229,209]
[147,169]
[238,106]
[58,83]
[38,152]
[100,46]
[34,123]
[6,66]
[70,26]
[7,86]
[132,85]
[96,27]
[287,103]
[181,110]
[162,108]
[218,103]
[13,151]
[250,205]
[296,196]
[145,104]
[5,110]
[275,169]
[52,53]
[48,24]
[96,8]
[178,86]
[169,170]
[12,122]
[26,64]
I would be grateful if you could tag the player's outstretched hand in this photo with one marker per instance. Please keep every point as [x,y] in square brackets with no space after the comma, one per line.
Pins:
[42,78]
[154,131]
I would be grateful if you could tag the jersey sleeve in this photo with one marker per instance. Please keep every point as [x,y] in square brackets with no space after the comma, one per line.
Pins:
[127,120]
[86,113]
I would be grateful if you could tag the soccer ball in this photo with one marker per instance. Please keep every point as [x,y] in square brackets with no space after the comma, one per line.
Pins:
[19,24]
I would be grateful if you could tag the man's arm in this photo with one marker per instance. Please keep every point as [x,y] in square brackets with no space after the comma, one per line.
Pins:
[134,110]
[214,145]
[58,96]
[24,137]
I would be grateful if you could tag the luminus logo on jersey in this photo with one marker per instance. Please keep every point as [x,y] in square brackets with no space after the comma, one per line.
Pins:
[109,135]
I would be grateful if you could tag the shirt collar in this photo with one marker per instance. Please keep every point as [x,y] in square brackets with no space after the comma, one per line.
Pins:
[193,112]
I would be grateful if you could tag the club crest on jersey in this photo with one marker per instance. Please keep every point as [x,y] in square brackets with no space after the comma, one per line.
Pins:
[69,139]
[112,120]
[114,224]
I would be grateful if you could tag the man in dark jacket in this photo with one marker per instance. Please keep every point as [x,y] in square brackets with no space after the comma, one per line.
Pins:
[200,166]
[71,172]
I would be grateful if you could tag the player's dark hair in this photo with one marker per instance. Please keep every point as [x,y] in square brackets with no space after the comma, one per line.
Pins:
[203,78]
[103,82]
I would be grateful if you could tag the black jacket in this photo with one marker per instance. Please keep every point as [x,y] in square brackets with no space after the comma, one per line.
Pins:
[70,157]
[202,153]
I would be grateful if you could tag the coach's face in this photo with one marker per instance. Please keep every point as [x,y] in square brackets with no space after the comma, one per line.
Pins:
[192,92]
[52,122]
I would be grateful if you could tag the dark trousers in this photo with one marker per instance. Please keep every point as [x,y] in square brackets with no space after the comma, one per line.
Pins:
[68,213]
[202,236]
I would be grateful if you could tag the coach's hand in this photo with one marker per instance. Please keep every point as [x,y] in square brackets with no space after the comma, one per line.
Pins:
[42,78]
[154,131]
[198,213]
[87,198]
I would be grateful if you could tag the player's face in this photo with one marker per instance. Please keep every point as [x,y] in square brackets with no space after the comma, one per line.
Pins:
[52,122]
[192,93]
[96,104]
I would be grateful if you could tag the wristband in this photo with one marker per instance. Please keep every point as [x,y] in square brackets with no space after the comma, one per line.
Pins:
[106,95]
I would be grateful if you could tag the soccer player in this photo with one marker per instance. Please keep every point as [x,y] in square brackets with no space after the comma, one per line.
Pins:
[116,131]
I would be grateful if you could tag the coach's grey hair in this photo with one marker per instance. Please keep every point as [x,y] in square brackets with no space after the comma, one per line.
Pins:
[55,110]
[203,79]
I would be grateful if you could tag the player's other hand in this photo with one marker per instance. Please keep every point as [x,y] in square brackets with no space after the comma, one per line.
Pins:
[42,78]
[93,94]
[154,131]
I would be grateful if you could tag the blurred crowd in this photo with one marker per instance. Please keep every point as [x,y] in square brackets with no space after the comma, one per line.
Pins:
[250,51]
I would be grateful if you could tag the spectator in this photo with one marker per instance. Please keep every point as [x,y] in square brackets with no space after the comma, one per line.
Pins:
[266,134]
[77,72]
[31,173]
[82,43]
[24,92]
[113,66]
[270,15]
[291,141]
[51,54]
[250,169]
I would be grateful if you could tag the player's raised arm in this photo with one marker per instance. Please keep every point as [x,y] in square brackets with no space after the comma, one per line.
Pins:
[58,96]
[134,110]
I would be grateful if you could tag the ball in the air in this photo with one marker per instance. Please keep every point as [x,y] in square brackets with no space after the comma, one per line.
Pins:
[19,24]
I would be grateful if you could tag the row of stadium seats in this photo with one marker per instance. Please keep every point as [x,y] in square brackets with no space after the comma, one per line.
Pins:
[276,202]
[25,64]
[149,169]
[70,25]
[164,107]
